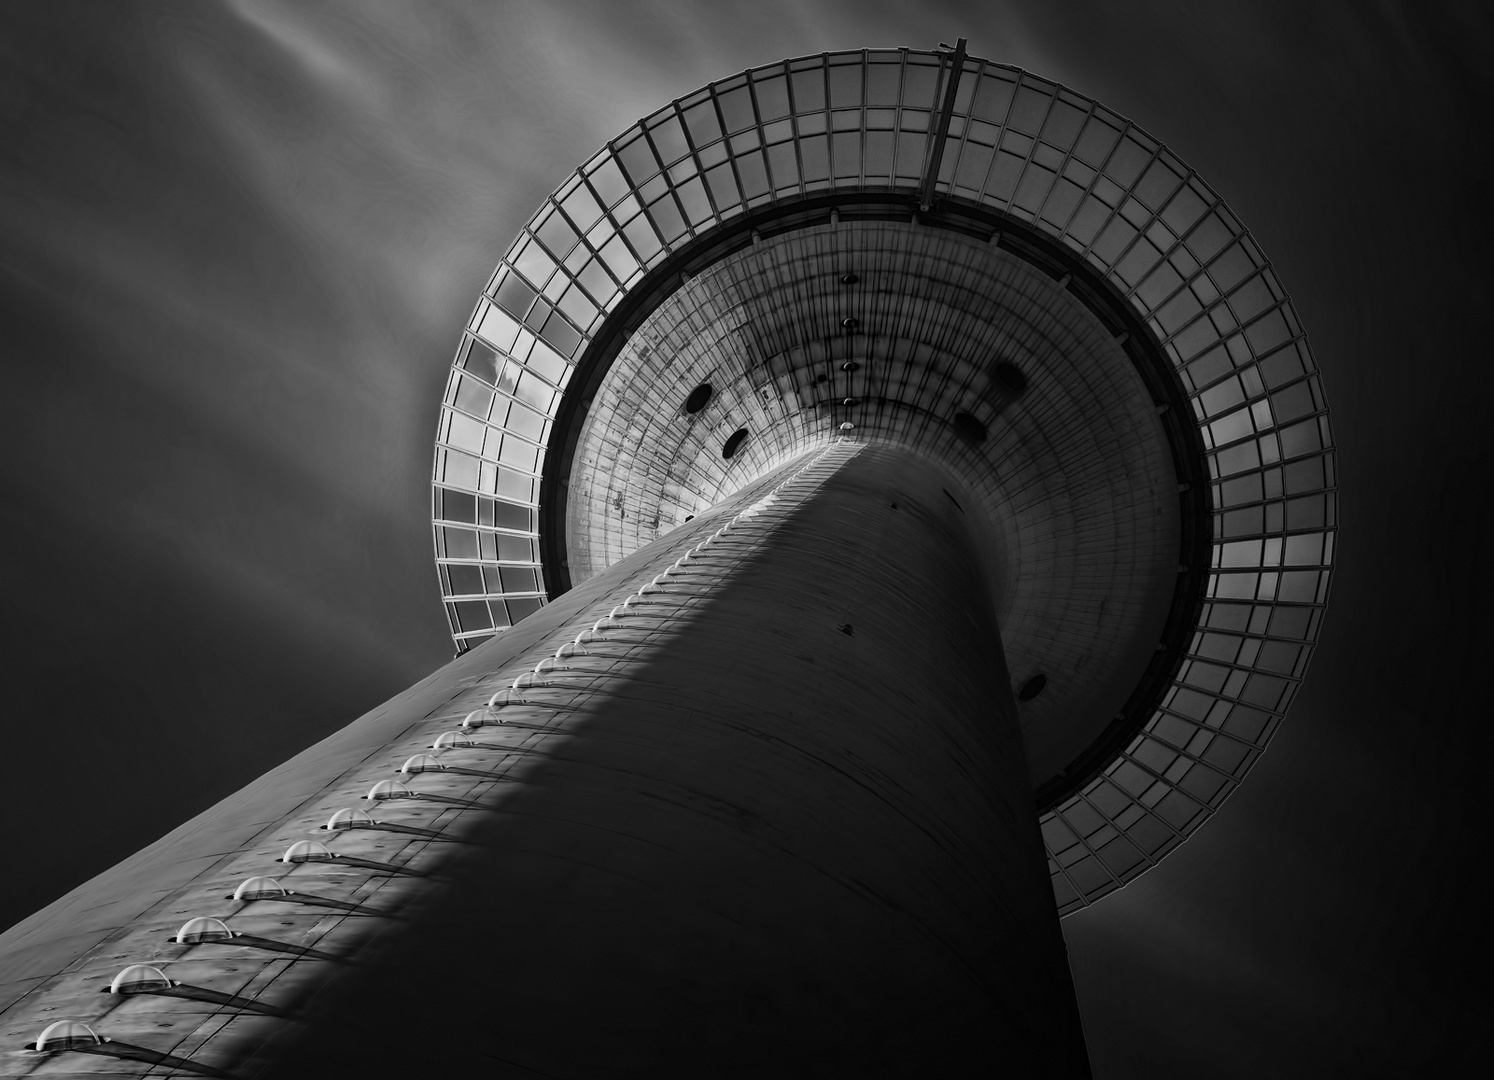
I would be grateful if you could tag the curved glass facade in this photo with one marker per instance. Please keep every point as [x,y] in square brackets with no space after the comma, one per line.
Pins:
[1027,150]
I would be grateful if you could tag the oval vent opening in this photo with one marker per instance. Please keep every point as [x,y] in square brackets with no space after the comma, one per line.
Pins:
[1032,687]
[1010,378]
[733,443]
[969,428]
[698,398]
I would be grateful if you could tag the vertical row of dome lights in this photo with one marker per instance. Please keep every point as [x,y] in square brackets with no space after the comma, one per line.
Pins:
[663,596]
[849,325]
[1005,376]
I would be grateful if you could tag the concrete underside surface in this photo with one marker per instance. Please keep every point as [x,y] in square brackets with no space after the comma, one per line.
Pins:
[792,836]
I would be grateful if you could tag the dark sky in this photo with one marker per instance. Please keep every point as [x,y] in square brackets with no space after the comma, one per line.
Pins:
[238,242]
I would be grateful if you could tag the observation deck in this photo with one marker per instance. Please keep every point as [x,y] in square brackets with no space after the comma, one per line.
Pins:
[953,256]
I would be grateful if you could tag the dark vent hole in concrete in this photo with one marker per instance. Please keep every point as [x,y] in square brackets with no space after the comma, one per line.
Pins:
[733,443]
[849,279]
[1032,687]
[698,398]
[1010,378]
[969,428]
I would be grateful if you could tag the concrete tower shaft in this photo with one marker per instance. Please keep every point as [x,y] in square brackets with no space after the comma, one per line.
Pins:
[781,825]
[752,800]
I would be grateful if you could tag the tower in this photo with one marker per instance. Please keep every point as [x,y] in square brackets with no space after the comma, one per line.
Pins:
[899,439]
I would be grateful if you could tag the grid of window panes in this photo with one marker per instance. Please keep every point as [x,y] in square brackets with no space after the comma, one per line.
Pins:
[1049,157]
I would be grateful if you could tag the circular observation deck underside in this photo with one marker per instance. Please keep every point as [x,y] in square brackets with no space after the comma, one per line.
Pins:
[1045,300]
[898,330]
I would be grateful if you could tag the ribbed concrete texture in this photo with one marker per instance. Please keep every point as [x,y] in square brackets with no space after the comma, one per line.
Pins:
[770,818]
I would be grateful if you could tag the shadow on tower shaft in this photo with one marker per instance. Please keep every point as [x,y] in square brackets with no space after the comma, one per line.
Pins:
[797,838]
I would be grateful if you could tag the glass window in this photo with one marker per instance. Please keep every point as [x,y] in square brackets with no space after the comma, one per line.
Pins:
[1029,110]
[515,549]
[497,327]
[473,615]
[667,218]
[723,186]
[582,208]
[1306,512]
[473,397]
[693,197]
[883,79]
[847,150]
[619,259]
[878,156]
[557,235]
[1033,189]
[669,139]
[560,335]
[481,361]
[783,161]
[1063,199]
[1096,142]
[637,159]
[516,579]
[457,506]
[701,121]
[1157,185]
[809,89]
[1064,123]
[465,580]
[460,543]
[640,234]
[608,182]
[771,91]
[845,85]
[736,107]
[910,154]
[465,433]
[921,84]
[535,264]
